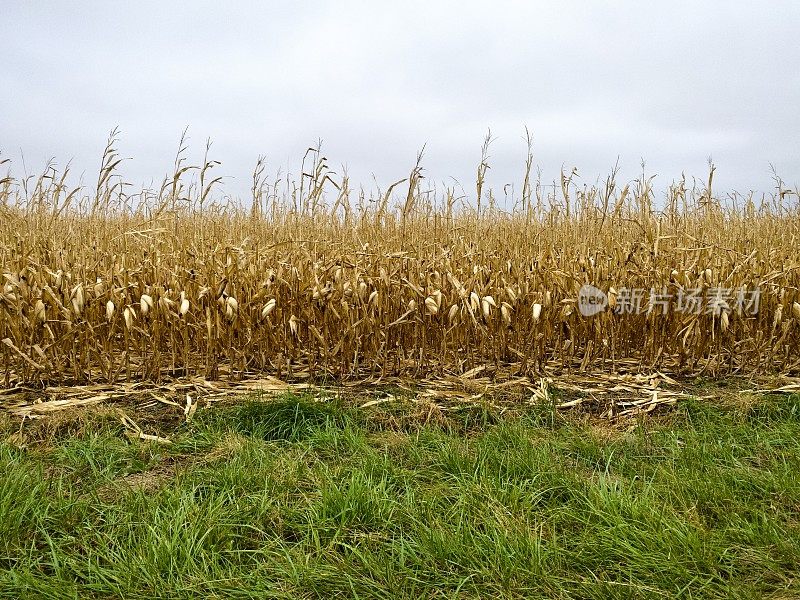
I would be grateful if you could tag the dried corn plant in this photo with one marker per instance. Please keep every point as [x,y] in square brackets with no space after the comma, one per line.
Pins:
[315,279]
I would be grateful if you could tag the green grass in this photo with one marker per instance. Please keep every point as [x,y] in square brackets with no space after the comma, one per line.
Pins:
[297,499]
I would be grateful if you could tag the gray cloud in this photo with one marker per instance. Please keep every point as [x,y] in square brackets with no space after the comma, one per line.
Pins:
[672,84]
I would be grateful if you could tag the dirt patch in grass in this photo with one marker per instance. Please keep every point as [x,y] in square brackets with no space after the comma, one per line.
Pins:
[146,481]
[169,467]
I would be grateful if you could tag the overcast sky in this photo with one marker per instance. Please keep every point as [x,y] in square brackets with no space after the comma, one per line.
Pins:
[670,83]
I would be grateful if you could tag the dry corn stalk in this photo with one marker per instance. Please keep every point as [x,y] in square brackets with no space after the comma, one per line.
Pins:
[354,288]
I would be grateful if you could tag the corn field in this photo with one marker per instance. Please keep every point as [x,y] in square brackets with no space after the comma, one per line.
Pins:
[311,278]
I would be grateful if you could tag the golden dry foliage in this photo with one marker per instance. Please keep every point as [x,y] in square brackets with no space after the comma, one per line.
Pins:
[322,281]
